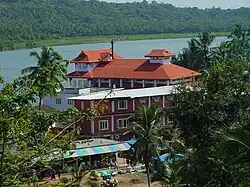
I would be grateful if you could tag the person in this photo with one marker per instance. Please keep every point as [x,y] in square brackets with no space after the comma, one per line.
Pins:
[59,174]
[127,161]
[53,174]
[115,163]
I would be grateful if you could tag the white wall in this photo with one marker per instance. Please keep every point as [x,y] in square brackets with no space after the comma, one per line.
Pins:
[79,83]
[84,67]
[160,61]
[51,101]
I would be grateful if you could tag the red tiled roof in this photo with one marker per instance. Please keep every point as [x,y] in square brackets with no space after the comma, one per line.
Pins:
[91,56]
[160,53]
[76,74]
[139,69]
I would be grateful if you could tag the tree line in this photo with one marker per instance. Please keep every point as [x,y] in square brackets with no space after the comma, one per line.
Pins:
[24,20]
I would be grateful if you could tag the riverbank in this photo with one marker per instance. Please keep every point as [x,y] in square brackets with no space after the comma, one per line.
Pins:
[103,39]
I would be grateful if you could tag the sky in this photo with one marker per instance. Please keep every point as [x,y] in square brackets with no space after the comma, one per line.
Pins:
[200,3]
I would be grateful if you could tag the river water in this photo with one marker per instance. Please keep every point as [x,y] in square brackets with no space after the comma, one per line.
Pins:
[12,62]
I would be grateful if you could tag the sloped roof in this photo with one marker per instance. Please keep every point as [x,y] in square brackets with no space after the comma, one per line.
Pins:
[139,69]
[91,56]
[160,53]
[128,93]
[76,74]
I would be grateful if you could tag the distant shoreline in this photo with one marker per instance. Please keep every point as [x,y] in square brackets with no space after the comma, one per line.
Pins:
[104,39]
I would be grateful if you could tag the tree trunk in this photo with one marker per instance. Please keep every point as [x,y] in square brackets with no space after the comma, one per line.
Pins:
[146,161]
[40,103]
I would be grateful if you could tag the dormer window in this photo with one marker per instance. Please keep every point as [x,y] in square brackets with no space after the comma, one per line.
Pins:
[160,56]
[83,66]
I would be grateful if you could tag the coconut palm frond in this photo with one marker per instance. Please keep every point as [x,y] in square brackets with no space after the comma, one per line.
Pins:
[28,69]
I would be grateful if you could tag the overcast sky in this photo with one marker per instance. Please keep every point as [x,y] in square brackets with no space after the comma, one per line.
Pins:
[201,3]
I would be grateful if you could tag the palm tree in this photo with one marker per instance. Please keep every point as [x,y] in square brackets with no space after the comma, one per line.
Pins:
[203,43]
[237,48]
[146,126]
[239,44]
[238,143]
[233,150]
[221,52]
[197,54]
[46,77]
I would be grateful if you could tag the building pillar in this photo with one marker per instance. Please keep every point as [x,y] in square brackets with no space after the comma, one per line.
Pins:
[110,83]
[143,83]
[89,83]
[132,83]
[89,160]
[113,106]
[82,105]
[121,81]
[163,101]
[95,163]
[91,104]
[92,127]
[155,83]
[133,104]
[99,83]
[112,123]
[193,78]
[167,83]
[149,101]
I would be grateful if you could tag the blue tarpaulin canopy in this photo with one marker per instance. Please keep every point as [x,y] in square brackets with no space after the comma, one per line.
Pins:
[132,141]
[97,150]
[168,157]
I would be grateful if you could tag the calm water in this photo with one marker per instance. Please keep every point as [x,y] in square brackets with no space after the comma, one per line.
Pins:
[11,62]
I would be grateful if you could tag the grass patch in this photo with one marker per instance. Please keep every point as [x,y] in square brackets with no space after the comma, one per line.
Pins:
[102,39]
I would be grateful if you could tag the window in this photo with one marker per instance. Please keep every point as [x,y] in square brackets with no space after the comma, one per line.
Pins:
[70,102]
[122,123]
[83,66]
[103,125]
[80,83]
[122,104]
[58,101]
[74,83]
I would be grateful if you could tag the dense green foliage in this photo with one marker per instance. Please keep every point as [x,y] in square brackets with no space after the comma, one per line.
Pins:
[220,102]
[26,138]
[214,115]
[29,144]
[199,54]
[33,19]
